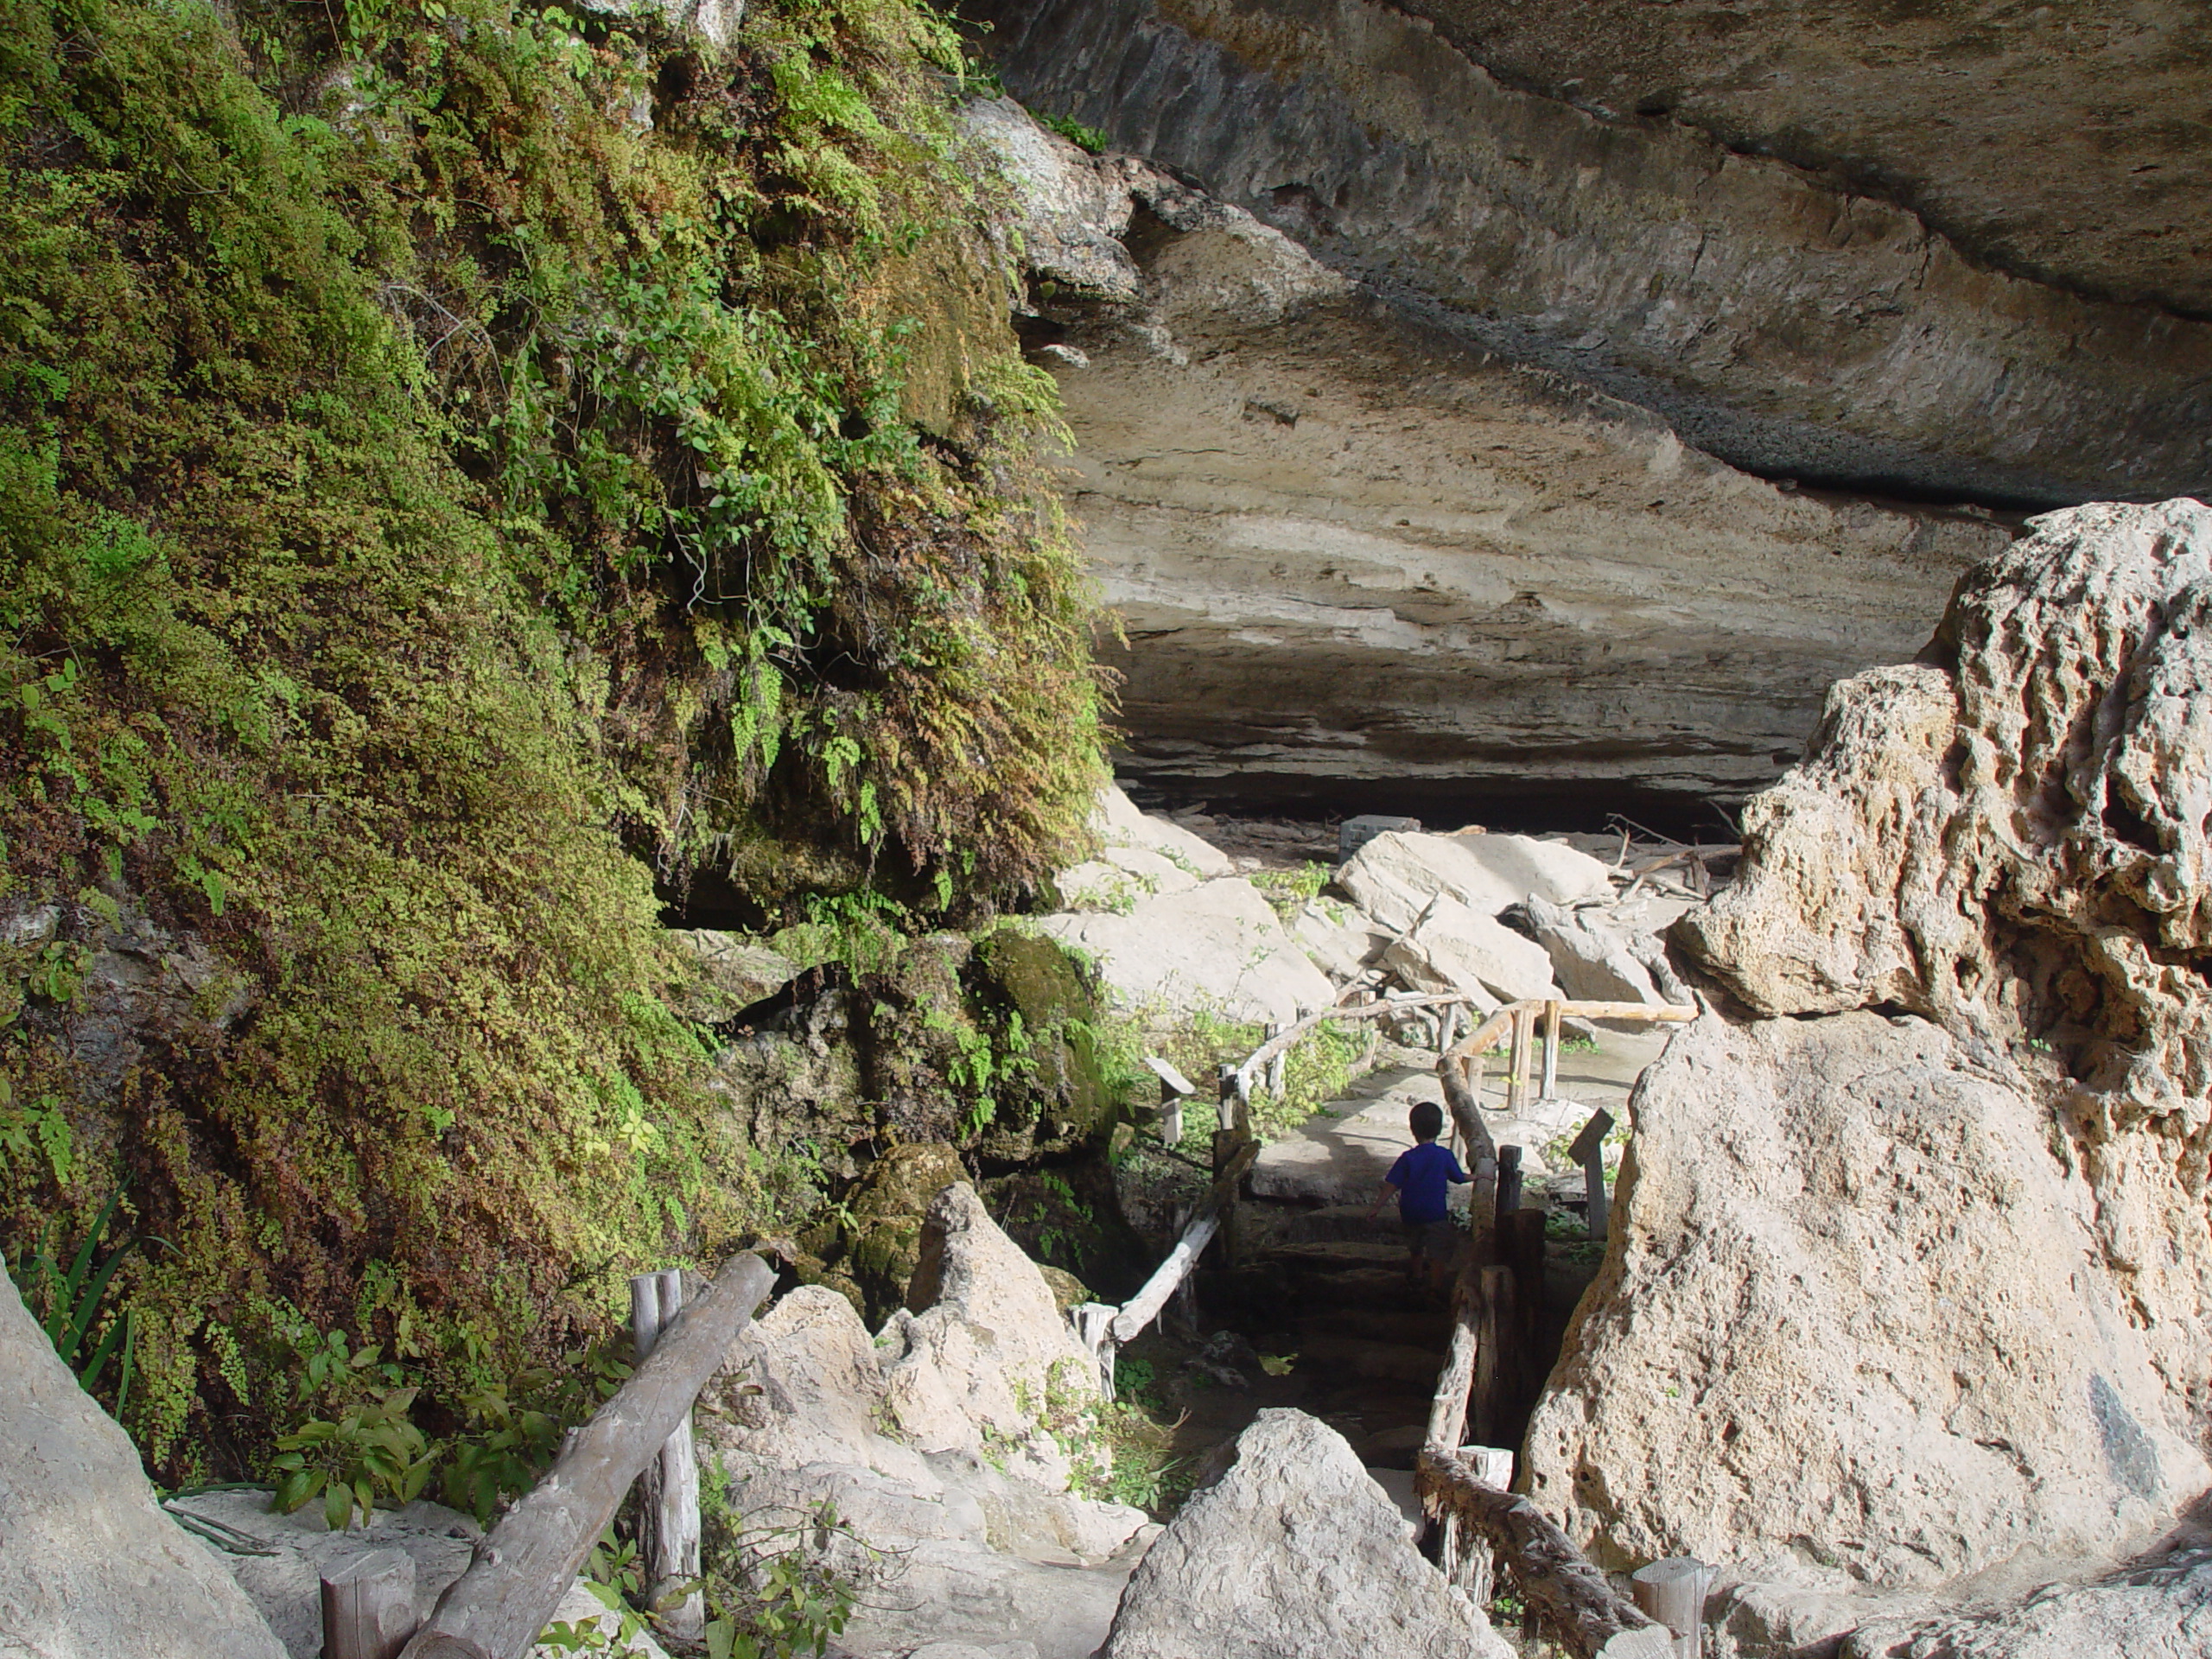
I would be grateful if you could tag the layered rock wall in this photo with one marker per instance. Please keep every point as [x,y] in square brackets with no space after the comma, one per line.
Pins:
[1352,553]
[1779,318]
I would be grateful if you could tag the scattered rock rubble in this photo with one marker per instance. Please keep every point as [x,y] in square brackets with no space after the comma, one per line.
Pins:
[1493,918]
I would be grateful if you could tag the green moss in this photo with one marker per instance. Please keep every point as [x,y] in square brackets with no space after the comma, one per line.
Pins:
[435,509]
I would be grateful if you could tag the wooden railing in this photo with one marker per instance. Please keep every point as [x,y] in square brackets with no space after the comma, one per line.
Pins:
[519,1573]
[1495,1305]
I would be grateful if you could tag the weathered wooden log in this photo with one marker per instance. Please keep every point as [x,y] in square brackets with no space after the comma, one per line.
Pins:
[368,1605]
[1143,1307]
[1509,1181]
[1495,1394]
[1447,1408]
[1571,1598]
[1589,1151]
[1673,1592]
[1281,1043]
[1173,1087]
[668,1490]
[496,1609]
[1551,1048]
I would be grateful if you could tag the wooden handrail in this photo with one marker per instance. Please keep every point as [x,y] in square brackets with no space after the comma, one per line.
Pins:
[1570,1595]
[519,1573]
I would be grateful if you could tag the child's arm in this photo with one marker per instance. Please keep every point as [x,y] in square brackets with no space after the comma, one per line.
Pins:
[1458,1176]
[1381,1198]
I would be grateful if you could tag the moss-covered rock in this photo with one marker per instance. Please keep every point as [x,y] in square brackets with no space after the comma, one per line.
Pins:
[435,505]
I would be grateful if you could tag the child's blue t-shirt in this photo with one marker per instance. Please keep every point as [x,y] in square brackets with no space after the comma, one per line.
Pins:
[1421,1175]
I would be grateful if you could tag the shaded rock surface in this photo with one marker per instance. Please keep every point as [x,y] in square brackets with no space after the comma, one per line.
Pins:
[1787,321]
[90,1568]
[1348,549]
[1295,1554]
[2159,1607]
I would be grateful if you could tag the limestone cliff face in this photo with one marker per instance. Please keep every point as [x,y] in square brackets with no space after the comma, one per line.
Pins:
[1348,546]
[1794,323]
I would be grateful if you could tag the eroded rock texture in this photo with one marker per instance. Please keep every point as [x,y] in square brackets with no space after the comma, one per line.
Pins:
[1906,1297]
[1790,322]
[1351,549]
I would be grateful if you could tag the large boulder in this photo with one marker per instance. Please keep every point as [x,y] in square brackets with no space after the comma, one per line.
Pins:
[1218,944]
[986,1351]
[945,1545]
[1295,1554]
[1895,1298]
[90,1568]
[1393,876]
[2011,837]
[1453,948]
[1852,1314]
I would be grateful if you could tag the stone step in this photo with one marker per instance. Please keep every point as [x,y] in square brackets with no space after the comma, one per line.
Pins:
[1272,1224]
[1336,1256]
[1381,1362]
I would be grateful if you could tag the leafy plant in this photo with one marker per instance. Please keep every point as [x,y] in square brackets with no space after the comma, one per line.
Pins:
[374,1454]
[1091,138]
[72,1301]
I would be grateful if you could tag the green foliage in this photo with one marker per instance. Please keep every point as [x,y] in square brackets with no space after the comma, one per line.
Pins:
[1290,891]
[432,505]
[1075,132]
[374,1454]
[70,1302]
[781,1588]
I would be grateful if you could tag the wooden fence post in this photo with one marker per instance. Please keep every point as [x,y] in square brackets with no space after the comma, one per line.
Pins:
[517,1574]
[1173,1086]
[1673,1592]
[1589,1151]
[1508,1179]
[669,1490]
[1551,1048]
[1498,1360]
[368,1605]
[1524,1039]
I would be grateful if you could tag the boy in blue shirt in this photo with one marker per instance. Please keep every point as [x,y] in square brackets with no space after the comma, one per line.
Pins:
[1420,1179]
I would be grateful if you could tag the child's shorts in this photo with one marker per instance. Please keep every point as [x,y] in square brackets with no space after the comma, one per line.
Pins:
[1431,1240]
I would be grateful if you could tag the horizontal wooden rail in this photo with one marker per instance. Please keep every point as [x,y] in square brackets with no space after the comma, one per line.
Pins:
[519,1573]
[1143,1307]
[1570,1596]
[1285,1040]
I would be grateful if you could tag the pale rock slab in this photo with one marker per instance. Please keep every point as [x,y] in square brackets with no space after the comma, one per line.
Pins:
[90,1568]
[1119,877]
[1295,1554]
[990,1344]
[1218,944]
[1453,948]
[1592,963]
[1394,875]
[1853,1306]
[1343,946]
[1120,823]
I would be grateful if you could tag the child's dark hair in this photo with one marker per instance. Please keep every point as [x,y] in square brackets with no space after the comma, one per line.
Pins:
[1426,1121]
